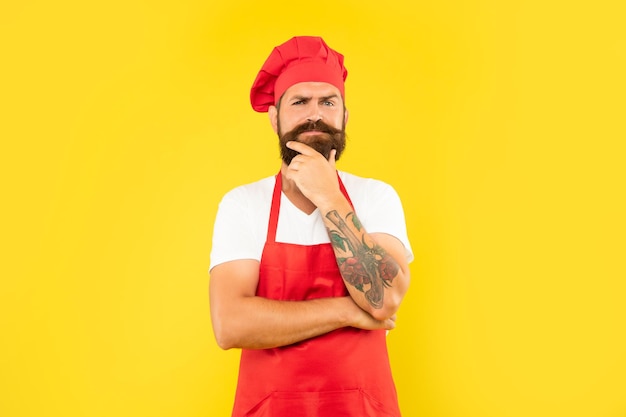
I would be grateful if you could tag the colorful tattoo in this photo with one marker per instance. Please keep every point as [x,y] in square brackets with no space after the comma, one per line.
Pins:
[363,264]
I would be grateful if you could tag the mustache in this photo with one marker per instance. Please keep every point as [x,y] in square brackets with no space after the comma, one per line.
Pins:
[318,126]
[326,139]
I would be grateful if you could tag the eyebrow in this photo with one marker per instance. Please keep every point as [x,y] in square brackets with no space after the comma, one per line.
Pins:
[305,98]
[326,98]
[299,98]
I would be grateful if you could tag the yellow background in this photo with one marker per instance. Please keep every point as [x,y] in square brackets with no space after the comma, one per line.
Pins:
[500,124]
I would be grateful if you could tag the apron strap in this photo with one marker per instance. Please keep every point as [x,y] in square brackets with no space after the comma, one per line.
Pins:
[275,208]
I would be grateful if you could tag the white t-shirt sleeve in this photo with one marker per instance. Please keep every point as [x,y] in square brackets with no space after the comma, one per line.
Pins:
[236,229]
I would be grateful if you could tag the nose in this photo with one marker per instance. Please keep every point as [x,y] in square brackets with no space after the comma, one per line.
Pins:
[314,113]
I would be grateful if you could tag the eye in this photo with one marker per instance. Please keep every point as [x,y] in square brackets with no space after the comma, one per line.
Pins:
[295,103]
[328,103]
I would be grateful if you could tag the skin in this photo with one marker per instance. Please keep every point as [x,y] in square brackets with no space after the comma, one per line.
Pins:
[243,320]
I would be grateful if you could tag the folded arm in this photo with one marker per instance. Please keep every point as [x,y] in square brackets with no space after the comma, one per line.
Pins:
[243,320]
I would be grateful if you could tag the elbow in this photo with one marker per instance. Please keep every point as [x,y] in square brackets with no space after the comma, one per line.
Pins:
[223,336]
[392,299]
[224,324]
[224,340]
[385,312]
[224,343]
[380,314]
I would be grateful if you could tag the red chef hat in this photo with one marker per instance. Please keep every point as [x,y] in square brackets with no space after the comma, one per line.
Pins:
[300,59]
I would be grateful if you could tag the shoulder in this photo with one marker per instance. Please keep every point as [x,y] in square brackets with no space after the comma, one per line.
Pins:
[246,203]
[240,224]
[378,206]
[358,181]
[363,187]
[250,194]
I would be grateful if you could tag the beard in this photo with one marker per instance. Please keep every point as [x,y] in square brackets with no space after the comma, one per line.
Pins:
[329,138]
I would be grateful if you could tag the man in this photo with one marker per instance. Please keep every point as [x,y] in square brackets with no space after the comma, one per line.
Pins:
[309,267]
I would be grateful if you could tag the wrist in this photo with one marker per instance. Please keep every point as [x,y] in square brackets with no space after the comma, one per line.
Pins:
[336,201]
[346,311]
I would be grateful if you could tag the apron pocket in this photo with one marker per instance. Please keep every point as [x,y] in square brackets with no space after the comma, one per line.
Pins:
[345,403]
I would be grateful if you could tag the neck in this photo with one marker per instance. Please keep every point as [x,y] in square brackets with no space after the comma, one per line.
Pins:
[293,193]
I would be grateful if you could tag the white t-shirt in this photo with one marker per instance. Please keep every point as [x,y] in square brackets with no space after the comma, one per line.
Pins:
[242,218]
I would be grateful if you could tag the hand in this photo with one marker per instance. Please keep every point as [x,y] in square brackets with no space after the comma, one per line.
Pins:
[314,175]
[362,320]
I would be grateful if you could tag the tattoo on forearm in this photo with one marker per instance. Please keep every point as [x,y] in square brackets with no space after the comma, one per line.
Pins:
[362,263]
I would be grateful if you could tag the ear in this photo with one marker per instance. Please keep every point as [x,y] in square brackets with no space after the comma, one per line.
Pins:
[345,117]
[272,112]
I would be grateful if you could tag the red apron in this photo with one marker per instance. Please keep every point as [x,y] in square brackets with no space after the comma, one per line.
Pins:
[344,373]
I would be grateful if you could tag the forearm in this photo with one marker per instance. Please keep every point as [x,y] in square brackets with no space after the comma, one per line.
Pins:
[260,323]
[373,270]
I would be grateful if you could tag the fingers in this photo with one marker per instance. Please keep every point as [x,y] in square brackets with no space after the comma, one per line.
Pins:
[390,324]
[300,147]
[363,320]
[307,154]
[372,324]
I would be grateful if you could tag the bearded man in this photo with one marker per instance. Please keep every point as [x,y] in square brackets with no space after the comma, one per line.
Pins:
[309,267]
